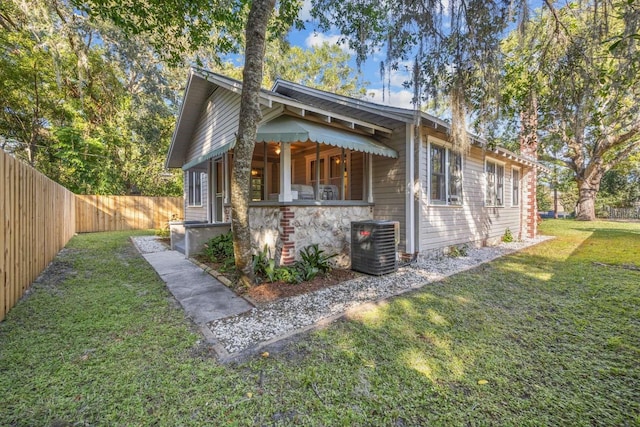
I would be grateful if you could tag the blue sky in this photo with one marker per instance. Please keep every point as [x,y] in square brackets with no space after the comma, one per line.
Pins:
[397,95]
[309,37]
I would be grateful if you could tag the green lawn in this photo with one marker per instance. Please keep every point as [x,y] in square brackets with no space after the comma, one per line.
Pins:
[554,331]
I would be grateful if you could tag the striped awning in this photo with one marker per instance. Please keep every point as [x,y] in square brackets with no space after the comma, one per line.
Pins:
[292,129]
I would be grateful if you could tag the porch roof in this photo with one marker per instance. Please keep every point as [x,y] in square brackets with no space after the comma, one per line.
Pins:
[210,155]
[291,129]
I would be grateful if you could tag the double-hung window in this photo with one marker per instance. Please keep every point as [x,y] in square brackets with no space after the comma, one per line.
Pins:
[495,183]
[515,186]
[194,196]
[445,176]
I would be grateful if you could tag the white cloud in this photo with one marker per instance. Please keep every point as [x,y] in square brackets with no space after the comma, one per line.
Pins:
[401,75]
[400,98]
[318,39]
[305,11]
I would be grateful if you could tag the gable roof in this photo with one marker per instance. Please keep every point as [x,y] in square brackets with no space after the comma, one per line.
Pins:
[362,116]
[201,84]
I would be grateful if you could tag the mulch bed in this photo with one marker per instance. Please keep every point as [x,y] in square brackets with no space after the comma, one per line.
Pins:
[268,292]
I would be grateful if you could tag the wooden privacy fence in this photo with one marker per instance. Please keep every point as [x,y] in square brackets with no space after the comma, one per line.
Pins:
[112,213]
[38,219]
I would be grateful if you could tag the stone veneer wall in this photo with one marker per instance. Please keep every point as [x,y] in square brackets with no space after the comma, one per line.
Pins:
[288,229]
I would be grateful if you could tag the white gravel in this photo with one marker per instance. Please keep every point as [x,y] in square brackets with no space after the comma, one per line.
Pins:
[283,317]
[149,244]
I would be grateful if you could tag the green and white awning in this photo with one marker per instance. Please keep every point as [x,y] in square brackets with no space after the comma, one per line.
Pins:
[210,155]
[291,129]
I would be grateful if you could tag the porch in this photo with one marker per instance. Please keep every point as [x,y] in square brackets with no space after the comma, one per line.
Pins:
[308,182]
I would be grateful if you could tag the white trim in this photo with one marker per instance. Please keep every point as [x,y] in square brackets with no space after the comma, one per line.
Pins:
[447,147]
[410,190]
[369,177]
[211,196]
[285,173]
[496,163]
[227,181]
[516,168]
[189,204]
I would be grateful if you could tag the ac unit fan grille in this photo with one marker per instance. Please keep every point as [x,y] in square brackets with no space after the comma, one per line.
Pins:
[374,247]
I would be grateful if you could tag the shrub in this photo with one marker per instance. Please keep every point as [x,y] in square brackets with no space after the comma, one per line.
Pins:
[314,261]
[220,248]
[507,237]
[163,232]
[457,251]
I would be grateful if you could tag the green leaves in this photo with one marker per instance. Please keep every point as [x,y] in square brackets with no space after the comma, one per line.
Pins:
[83,103]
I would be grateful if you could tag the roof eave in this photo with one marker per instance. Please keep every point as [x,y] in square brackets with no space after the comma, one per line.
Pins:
[168,163]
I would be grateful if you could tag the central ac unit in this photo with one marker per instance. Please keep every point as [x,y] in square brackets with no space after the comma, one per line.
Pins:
[374,246]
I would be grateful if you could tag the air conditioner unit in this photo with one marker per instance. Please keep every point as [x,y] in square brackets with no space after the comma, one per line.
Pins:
[374,245]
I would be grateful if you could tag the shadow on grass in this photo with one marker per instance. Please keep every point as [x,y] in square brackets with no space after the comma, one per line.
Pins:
[554,336]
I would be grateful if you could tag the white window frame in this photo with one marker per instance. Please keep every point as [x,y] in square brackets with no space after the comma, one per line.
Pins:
[497,164]
[448,200]
[515,185]
[192,189]
[325,157]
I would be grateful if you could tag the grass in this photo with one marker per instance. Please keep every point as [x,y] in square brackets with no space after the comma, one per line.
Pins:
[554,331]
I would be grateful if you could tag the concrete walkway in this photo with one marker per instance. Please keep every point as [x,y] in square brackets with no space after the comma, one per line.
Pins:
[203,298]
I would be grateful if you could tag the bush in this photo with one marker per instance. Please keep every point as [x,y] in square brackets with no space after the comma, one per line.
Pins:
[163,232]
[457,251]
[314,261]
[220,248]
[265,267]
[507,237]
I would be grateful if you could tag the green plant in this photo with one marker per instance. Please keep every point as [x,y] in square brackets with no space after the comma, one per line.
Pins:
[263,266]
[220,248]
[313,261]
[288,274]
[163,232]
[457,251]
[507,237]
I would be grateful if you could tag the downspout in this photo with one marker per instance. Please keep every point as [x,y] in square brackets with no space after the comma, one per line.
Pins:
[412,134]
[410,190]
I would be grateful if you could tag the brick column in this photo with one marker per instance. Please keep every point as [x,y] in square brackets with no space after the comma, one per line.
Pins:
[529,150]
[530,210]
[288,255]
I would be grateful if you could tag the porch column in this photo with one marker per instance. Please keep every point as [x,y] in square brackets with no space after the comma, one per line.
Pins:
[285,173]
[370,178]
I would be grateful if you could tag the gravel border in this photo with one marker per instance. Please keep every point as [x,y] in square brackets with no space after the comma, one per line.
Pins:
[288,316]
[149,244]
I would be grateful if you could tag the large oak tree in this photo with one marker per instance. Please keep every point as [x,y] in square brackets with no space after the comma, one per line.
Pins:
[587,90]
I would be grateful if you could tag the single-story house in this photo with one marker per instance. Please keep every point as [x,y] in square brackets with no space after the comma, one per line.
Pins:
[323,160]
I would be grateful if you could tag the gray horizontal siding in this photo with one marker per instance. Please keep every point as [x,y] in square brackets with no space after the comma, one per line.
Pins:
[217,125]
[389,183]
[443,226]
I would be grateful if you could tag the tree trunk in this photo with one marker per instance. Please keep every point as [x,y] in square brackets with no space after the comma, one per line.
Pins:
[586,205]
[250,116]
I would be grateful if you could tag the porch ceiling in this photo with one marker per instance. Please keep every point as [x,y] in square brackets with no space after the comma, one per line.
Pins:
[291,129]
